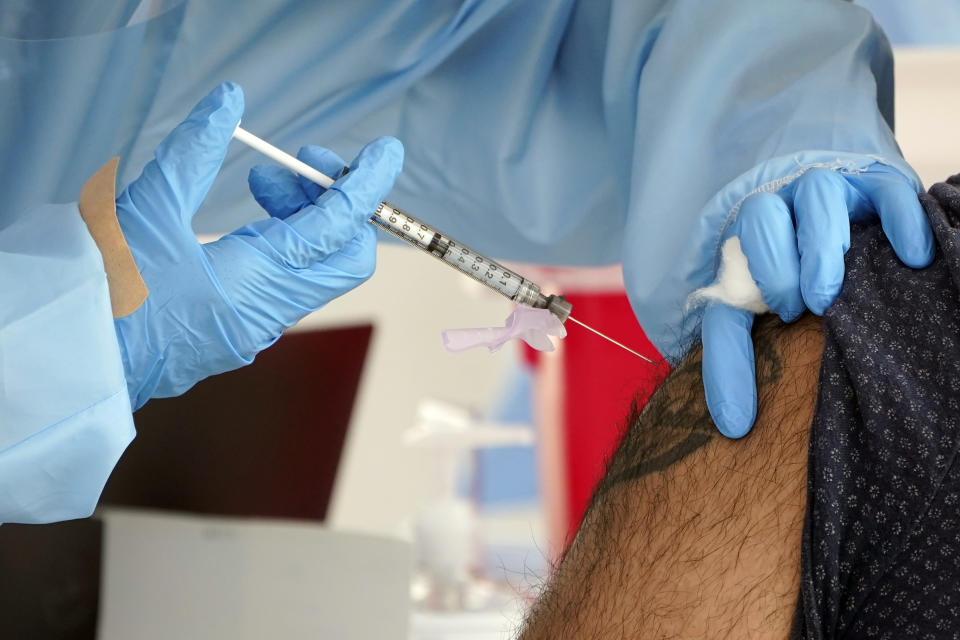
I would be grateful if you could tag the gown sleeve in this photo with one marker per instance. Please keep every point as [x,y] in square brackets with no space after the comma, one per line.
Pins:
[65,414]
[730,103]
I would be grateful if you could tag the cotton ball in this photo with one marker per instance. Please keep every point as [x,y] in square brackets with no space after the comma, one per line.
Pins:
[734,285]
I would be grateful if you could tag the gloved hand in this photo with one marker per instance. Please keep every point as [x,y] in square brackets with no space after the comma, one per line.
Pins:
[794,242]
[212,307]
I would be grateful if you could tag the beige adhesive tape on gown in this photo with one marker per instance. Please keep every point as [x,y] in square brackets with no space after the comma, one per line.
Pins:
[98,209]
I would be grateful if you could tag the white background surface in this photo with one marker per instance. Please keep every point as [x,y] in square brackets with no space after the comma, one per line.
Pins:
[175,576]
[927,114]
[409,300]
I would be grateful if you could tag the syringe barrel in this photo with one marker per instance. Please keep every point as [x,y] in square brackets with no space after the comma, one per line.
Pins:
[459,256]
[420,235]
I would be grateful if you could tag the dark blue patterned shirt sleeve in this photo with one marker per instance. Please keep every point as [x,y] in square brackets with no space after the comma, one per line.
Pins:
[881,540]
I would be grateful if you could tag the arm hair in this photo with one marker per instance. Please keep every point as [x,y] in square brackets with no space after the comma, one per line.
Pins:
[689,534]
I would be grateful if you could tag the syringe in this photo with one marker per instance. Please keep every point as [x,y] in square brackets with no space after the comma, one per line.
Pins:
[424,237]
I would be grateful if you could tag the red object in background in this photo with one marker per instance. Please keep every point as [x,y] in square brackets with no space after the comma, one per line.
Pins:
[601,380]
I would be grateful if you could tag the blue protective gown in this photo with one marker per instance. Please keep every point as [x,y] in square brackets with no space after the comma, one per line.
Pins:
[554,131]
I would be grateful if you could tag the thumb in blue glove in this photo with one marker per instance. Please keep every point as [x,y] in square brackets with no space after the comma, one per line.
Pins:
[212,307]
[795,242]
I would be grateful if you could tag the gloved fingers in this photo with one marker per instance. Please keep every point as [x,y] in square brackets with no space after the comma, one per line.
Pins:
[323,160]
[729,377]
[345,207]
[820,205]
[339,274]
[901,215]
[277,190]
[271,294]
[358,257]
[189,158]
[769,241]
[281,192]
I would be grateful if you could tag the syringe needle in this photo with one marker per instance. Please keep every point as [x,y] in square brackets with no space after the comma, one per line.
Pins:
[605,337]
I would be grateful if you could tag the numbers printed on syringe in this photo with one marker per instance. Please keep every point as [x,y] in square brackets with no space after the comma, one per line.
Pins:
[406,226]
[476,266]
[460,257]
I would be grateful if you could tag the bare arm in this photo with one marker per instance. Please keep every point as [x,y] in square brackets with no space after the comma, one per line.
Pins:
[689,534]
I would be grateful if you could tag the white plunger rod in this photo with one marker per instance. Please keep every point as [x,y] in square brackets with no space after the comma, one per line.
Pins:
[281,157]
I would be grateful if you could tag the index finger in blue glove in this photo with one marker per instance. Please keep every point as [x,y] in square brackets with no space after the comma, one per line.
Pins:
[277,190]
[282,193]
[325,161]
[901,214]
[820,204]
[342,209]
[729,376]
[190,157]
[769,242]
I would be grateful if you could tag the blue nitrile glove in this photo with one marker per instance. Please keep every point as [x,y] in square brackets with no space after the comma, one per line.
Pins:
[794,242]
[212,307]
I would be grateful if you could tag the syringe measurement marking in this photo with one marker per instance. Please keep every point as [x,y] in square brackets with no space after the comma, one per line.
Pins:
[508,286]
[473,265]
